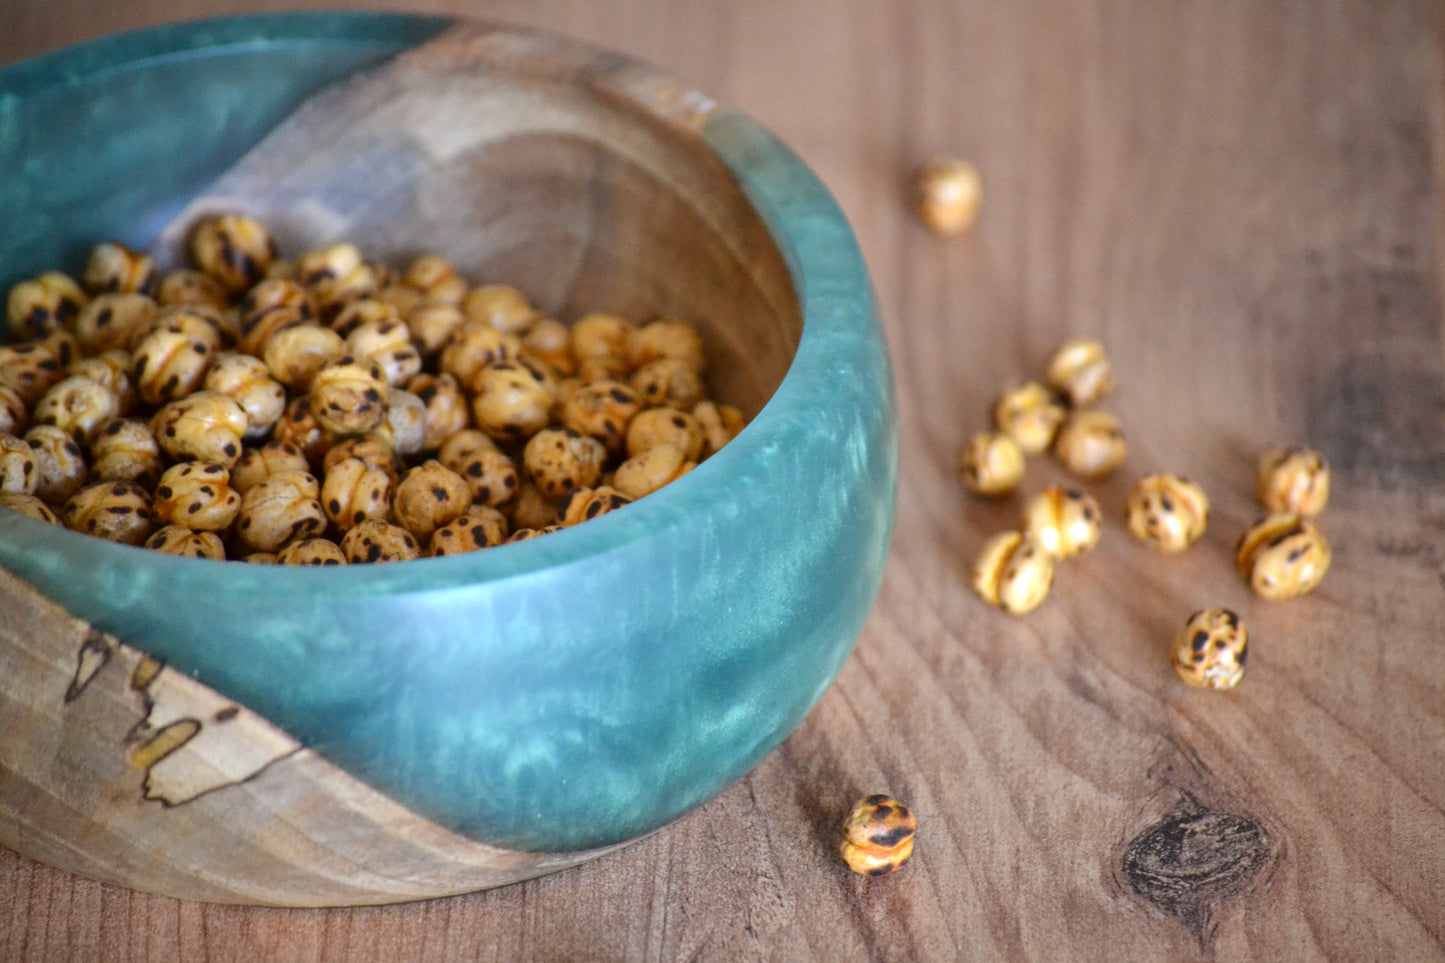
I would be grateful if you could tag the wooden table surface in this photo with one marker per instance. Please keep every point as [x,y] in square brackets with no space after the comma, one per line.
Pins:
[1243,201]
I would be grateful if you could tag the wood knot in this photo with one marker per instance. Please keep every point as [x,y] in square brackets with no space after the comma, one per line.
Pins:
[1189,861]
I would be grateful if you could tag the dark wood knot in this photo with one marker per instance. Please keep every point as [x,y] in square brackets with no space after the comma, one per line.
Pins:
[1189,861]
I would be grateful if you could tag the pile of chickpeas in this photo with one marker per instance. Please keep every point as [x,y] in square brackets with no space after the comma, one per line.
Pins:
[1281,556]
[328,409]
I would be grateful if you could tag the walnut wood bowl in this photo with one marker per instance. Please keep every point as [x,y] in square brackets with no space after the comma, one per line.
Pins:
[259,734]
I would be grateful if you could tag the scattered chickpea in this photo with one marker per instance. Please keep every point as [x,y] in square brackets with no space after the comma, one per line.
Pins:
[1013,572]
[1209,651]
[948,195]
[1081,372]
[1030,415]
[1064,522]
[1091,444]
[878,835]
[1283,556]
[1293,480]
[1167,512]
[992,464]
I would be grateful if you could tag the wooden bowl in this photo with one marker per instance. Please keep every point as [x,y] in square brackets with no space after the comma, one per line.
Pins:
[289,736]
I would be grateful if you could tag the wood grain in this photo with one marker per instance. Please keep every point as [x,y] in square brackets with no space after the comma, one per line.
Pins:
[1244,203]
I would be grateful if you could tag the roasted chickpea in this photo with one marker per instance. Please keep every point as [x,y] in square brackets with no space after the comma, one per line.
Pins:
[1013,572]
[546,342]
[205,426]
[657,425]
[447,411]
[258,464]
[512,400]
[374,453]
[257,330]
[1167,512]
[471,348]
[481,527]
[114,321]
[77,406]
[247,381]
[186,286]
[1030,415]
[1210,650]
[1064,522]
[299,426]
[115,510]
[234,249]
[373,540]
[500,306]
[1283,556]
[436,278]
[432,323]
[1081,372]
[948,194]
[667,383]
[991,464]
[667,338]
[49,302]
[601,409]
[28,505]
[366,311]
[491,475]
[171,362]
[274,293]
[31,369]
[198,495]
[532,509]
[295,354]
[405,426]
[649,471]
[877,835]
[388,343]
[335,275]
[720,424]
[114,268]
[598,335]
[558,460]
[180,540]
[1091,444]
[286,507]
[14,415]
[111,369]
[60,468]
[1293,480]
[18,471]
[353,491]
[584,504]
[349,395]
[125,449]
[311,551]
[429,496]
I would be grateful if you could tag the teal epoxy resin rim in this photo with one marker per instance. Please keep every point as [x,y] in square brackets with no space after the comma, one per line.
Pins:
[614,713]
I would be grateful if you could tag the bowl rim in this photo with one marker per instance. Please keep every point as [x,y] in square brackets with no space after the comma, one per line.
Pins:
[812,236]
